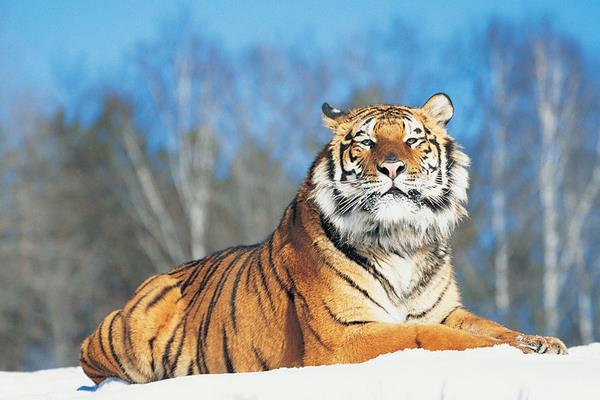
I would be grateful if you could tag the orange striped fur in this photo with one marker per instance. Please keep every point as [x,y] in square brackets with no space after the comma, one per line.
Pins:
[359,266]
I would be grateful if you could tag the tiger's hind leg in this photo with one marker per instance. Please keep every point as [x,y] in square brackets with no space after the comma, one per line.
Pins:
[99,356]
[144,341]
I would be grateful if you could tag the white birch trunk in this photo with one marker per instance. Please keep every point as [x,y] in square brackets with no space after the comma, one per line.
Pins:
[548,81]
[499,213]
[579,206]
[185,105]
[585,315]
[557,101]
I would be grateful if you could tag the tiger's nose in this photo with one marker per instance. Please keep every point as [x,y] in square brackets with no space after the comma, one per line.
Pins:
[392,169]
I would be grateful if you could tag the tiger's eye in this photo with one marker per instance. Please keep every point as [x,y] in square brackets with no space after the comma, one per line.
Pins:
[368,143]
[411,141]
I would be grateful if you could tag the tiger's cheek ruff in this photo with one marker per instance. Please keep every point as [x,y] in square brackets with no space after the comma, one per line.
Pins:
[349,167]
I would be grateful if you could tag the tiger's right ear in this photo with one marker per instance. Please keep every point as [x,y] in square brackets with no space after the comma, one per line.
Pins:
[332,117]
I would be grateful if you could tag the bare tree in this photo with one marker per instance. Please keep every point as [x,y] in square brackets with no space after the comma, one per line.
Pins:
[556,100]
[187,81]
[501,64]
[549,78]
[579,205]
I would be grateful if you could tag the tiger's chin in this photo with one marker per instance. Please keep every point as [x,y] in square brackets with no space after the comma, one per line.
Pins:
[394,208]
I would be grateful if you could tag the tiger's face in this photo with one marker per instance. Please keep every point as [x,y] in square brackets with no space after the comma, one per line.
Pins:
[392,170]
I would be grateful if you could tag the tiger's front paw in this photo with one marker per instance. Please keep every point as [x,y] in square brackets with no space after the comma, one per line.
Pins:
[539,344]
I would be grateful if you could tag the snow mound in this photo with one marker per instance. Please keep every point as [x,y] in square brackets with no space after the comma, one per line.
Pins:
[494,373]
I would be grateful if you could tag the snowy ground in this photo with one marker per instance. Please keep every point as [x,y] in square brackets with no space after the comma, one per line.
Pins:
[497,373]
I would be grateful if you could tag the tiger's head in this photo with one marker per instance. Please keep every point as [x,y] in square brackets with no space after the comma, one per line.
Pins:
[391,175]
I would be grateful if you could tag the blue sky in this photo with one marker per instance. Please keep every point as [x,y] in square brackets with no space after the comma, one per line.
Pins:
[40,40]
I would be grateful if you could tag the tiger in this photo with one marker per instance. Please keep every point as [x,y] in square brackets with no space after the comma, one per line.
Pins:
[359,266]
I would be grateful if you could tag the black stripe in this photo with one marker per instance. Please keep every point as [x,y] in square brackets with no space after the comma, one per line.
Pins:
[435,266]
[340,200]
[102,349]
[261,360]
[293,287]
[345,173]
[201,358]
[352,157]
[112,347]
[418,342]
[180,347]
[330,165]
[127,331]
[236,282]
[263,280]
[167,353]
[151,345]
[296,294]
[217,293]
[128,352]
[445,200]
[440,203]
[160,295]
[434,305]
[226,357]
[185,266]
[260,301]
[295,210]
[247,280]
[317,336]
[201,263]
[216,261]
[148,281]
[439,150]
[214,267]
[205,325]
[351,253]
[340,321]
[354,285]
[95,363]
[272,265]
[138,301]
[92,364]
[443,321]
[190,279]
[449,146]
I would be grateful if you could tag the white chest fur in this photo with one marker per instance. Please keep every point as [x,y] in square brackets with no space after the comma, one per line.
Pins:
[399,271]
[405,292]
[430,303]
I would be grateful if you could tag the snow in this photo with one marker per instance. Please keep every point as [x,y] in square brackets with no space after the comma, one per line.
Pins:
[494,373]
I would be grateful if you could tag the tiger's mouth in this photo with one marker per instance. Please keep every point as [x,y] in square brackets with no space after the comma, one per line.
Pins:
[411,194]
[393,193]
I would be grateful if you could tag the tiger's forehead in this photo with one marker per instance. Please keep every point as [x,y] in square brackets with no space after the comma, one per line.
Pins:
[386,120]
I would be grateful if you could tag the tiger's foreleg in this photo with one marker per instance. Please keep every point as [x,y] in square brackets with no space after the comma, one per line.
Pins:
[466,321]
[362,343]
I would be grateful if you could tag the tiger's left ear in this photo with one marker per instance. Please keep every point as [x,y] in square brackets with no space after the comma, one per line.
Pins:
[332,117]
[439,106]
